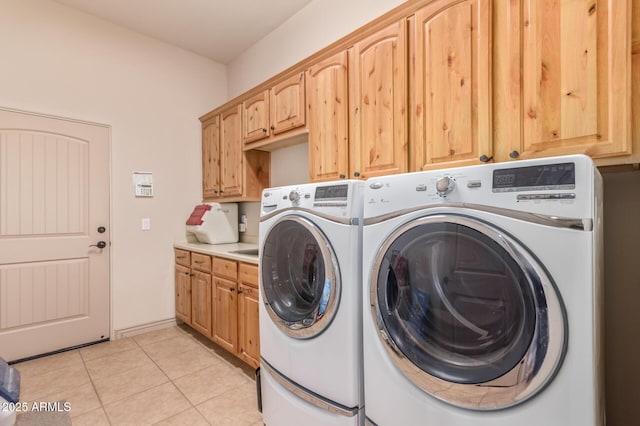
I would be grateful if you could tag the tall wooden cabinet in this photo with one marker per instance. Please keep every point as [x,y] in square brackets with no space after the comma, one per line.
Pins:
[451,49]
[211,157]
[228,172]
[378,103]
[222,157]
[574,93]
[328,119]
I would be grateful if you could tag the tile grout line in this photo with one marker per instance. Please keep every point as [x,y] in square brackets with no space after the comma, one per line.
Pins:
[170,381]
[93,385]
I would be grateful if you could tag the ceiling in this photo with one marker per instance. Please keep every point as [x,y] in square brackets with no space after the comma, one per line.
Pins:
[217,29]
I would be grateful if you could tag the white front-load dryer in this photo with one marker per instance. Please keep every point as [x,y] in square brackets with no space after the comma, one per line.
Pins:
[311,304]
[482,296]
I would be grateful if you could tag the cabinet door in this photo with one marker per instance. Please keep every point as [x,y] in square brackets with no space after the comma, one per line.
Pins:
[378,99]
[231,154]
[211,158]
[248,325]
[576,70]
[452,106]
[327,119]
[201,302]
[226,314]
[183,293]
[256,117]
[286,104]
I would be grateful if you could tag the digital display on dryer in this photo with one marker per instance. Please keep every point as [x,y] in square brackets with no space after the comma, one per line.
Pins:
[535,178]
[332,192]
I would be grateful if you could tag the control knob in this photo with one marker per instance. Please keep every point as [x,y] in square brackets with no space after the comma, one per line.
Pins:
[445,185]
[294,197]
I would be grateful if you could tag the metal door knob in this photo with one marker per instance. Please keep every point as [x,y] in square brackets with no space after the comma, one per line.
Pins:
[99,244]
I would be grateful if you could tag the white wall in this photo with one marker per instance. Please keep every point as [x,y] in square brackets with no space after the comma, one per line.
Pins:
[317,25]
[62,62]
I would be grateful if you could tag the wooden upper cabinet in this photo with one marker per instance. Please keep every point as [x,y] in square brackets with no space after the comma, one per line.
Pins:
[274,111]
[231,154]
[256,117]
[378,103]
[451,49]
[576,77]
[287,108]
[211,157]
[328,119]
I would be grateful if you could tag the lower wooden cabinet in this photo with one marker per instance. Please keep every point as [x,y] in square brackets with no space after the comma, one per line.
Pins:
[183,285]
[225,332]
[183,293]
[218,297]
[201,302]
[248,324]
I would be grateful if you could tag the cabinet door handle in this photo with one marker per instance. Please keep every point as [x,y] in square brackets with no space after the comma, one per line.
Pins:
[186,273]
[180,257]
[239,291]
[356,174]
[264,130]
[485,159]
[342,176]
[514,154]
[232,289]
[198,261]
[273,127]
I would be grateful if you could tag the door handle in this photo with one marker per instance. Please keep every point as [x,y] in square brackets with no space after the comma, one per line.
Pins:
[99,244]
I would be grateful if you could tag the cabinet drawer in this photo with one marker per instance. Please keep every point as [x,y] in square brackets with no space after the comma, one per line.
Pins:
[183,257]
[201,262]
[248,274]
[225,268]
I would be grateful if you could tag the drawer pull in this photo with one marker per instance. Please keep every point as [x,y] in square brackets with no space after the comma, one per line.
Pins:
[180,257]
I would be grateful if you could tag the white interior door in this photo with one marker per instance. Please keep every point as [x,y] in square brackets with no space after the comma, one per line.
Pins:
[54,210]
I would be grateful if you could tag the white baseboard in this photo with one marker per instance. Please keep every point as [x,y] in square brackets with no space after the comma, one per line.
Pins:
[143,328]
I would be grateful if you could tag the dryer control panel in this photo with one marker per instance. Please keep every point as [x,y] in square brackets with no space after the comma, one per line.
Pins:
[542,177]
[559,186]
[340,199]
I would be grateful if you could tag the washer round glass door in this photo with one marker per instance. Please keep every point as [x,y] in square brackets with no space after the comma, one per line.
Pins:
[300,277]
[468,314]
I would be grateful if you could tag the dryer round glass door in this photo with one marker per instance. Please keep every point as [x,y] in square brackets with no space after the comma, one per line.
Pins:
[462,306]
[300,277]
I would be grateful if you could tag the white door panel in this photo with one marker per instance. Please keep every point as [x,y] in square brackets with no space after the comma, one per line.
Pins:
[54,194]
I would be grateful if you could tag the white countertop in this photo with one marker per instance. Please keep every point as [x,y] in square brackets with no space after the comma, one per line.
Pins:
[221,250]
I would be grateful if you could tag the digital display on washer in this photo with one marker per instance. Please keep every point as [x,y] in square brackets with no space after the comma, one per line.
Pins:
[332,192]
[535,178]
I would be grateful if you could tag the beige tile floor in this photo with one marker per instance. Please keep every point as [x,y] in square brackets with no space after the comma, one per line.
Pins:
[171,376]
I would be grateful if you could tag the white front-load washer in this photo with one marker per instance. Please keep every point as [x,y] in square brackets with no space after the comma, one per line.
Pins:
[482,296]
[311,304]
